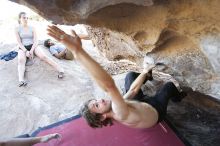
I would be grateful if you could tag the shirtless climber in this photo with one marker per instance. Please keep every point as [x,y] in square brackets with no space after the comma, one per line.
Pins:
[134,109]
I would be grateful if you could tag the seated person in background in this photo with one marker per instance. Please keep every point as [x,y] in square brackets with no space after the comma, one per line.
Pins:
[59,50]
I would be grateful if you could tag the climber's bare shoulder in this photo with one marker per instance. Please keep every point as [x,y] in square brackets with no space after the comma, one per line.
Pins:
[140,115]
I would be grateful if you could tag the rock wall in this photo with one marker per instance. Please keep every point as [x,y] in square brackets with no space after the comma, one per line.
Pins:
[114,45]
[183,34]
[72,11]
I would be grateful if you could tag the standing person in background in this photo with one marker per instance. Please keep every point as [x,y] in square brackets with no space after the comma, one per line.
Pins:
[28,47]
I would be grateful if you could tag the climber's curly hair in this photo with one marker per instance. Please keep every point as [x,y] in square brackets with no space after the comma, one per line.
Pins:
[94,119]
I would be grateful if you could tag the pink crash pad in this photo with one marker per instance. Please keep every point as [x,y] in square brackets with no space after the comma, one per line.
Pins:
[76,132]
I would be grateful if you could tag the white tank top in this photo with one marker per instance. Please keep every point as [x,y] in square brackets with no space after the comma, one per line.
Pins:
[26,35]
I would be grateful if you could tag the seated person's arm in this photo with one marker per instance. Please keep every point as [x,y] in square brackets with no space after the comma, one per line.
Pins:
[136,85]
[102,78]
[21,46]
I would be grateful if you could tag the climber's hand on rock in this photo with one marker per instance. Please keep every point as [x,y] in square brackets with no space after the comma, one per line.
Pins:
[149,68]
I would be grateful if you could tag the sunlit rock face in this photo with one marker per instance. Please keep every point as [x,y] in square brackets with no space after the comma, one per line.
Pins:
[184,34]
